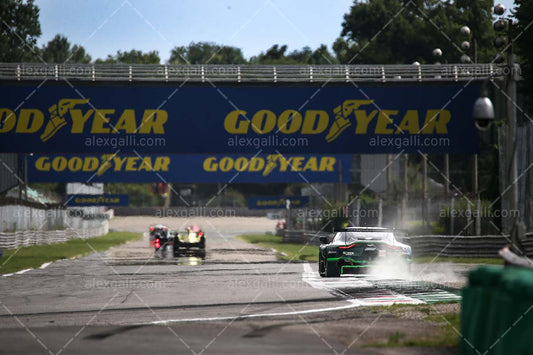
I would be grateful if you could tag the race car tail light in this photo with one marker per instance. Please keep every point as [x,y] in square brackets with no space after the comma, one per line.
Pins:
[157,243]
[201,234]
[346,246]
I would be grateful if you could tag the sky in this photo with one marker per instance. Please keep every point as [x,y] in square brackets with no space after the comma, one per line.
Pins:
[104,26]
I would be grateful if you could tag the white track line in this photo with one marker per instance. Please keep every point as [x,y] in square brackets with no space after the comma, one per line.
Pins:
[353,304]
[22,271]
[313,279]
[337,284]
[45,265]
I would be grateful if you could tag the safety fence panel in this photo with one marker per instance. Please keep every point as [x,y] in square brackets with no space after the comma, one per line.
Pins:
[39,237]
[496,316]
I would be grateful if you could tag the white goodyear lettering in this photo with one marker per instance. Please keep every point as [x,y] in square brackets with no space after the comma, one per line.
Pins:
[362,114]
[90,164]
[272,162]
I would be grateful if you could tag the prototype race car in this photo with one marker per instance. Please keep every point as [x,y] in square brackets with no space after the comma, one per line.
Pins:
[192,241]
[355,249]
[159,236]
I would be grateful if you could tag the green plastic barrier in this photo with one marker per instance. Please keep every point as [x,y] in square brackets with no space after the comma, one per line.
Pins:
[497,312]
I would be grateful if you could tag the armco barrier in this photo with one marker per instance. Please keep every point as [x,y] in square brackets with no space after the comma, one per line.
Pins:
[497,312]
[302,237]
[29,237]
[185,212]
[486,246]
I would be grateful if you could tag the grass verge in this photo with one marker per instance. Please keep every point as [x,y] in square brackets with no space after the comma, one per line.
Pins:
[446,335]
[295,252]
[429,259]
[36,255]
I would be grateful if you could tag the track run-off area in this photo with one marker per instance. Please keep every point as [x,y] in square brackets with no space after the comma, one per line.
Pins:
[239,293]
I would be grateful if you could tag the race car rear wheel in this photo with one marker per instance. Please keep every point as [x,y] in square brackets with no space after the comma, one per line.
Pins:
[321,268]
[331,269]
[177,244]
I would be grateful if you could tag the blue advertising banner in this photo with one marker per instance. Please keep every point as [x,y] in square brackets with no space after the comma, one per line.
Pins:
[195,168]
[234,120]
[276,202]
[98,200]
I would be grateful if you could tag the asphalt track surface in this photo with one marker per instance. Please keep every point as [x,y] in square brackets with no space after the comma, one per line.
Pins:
[239,299]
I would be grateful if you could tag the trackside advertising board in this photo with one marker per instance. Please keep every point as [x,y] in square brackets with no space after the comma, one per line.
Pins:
[169,119]
[109,200]
[197,168]
[276,202]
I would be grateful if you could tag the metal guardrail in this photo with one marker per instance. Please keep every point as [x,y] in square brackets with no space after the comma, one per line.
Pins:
[486,246]
[462,246]
[302,237]
[30,237]
[186,212]
[252,73]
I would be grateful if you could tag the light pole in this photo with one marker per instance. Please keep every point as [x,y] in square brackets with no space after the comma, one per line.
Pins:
[501,25]
[465,45]
[437,53]
[483,113]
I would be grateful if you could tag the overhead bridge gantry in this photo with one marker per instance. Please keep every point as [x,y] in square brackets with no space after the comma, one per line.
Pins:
[335,109]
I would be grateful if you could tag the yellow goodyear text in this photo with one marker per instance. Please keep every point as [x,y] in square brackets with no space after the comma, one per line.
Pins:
[362,115]
[80,118]
[270,163]
[100,165]
[97,200]
[278,203]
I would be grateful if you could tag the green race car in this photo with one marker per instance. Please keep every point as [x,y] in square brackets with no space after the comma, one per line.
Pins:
[355,249]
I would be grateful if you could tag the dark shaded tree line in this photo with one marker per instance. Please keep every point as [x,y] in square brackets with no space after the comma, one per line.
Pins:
[375,31]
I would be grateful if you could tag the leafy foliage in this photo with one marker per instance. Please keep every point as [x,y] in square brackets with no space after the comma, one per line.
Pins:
[206,53]
[523,12]
[401,32]
[131,57]
[19,30]
[59,50]
[140,194]
[277,55]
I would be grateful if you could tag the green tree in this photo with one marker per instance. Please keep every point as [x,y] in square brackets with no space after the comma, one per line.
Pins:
[477,15]
[59,50]
[401,32]
[19,30]
[278,55]
[523,12]
[273,55]
[140,194]
[131,57]
[206,53]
